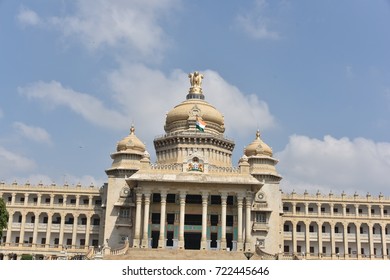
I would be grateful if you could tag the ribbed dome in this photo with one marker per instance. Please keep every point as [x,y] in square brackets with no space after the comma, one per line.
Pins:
[183,116]
[131,143]
[258,147]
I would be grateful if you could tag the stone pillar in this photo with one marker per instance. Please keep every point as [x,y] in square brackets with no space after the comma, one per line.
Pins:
[182,216]
[9,228]
[319,225]
[294,237]
[248,229]
[62,226]
[344,210]
[371,240]
[345,239]
[49,220]
[384,244]
[332,240]
[39,199]
[240,246]
[161,241]
[223,220]
[358,245]
[203,243]
[77,201]
[307,238]
[26,195]
[145,235]
[35,232]
[87,230]
[137,233]
[23,223]
[74,231]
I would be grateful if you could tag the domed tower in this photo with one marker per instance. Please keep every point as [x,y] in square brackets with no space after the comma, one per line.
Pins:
[262,164]
[194,127]
[119,198]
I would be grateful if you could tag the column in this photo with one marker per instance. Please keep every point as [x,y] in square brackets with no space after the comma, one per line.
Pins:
[344,210]
[9,228]
[35,232]
[90,198]
[319,225]
[62,226]
[13,199]
[223,221]
[332,240]
[384,245]
[64,200]
[21,239]
[87,230]
[294,237]
[345,239]
[248,230]
[77,200]
[203,243]
[161,241]
[371,240]
[39,199]
[145,235]
[137,233]
[240,246]
[294,208]
[74,231]
[358,245]
[49,220]
[182,215]
[26,195]
[307,238]
[306,208]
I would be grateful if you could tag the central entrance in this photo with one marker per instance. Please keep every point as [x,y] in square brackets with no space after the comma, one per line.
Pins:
[192,240]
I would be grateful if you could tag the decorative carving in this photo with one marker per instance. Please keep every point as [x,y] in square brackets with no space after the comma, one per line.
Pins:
[195,165]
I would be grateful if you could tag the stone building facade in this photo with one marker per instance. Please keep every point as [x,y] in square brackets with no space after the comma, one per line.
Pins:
[192,198]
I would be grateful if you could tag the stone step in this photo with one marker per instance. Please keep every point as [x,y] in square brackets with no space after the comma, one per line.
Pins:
[167,254]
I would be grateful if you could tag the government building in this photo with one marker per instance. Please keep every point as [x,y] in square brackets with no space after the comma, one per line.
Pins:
[191,203]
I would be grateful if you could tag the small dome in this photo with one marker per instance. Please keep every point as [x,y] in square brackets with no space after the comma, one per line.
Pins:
[258,147]
[131,143]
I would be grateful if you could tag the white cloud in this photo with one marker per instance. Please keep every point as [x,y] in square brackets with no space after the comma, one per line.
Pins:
[133,25]
[11,162]
[255,23]
[91,108]
[149,94]
[27,16]
[335,164]
[34,133]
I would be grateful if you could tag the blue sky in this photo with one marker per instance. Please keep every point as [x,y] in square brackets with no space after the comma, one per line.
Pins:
[313,76]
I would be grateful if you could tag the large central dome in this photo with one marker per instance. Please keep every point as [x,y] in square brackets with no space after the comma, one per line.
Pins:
[184,116]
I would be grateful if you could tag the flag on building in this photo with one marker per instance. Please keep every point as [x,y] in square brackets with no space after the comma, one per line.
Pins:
[200,124]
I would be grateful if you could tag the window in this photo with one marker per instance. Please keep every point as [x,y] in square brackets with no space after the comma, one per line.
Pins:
[299,249]
[298,208]
[214,220]
[323,229]
[285,208]
[60,200]
[286,249]
[372,211]
[261,218]
[336,229]
[171,198]
[96,222]
[299,228]
[311,250]
[348,229]
[361,229]
[337,250]
[124,212]
[311,209]
[72,201]
[347,210]
[360,211]
[311,229]
[98,202]
[156,218]
[385,211]
[286,228]
[322,209]
[230,200]
[229,220]
[156,197]
[335,210]
[324,250]
[215,199]
[170,218]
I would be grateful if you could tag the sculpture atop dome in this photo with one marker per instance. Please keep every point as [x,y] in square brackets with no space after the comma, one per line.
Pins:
[196,82]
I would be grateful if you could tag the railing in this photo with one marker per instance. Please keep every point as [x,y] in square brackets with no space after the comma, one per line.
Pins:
[121,250]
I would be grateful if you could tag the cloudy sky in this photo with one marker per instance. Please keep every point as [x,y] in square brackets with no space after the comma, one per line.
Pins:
[313,76]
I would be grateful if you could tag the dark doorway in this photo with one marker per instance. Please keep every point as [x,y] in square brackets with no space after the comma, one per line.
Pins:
[214,237]
[192,240]
[229,241]
[155,237]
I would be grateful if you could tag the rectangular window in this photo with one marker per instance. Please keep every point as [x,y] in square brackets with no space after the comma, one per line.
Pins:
[298,208]
[124,212]
[285,208]
[361,230]
[348,229]
[96,222]
[299,228]
[324,250]
[286,228]
[335,210]
[311,250]
[60,200]
[156,197]
[229,220]
[337,250]
[286,248]
[170,218]
[347,210]
[72,201]
[323,229]
[156,218]
[261,218]
[43,240]
[230,200]
[385,211]
[311,209]
[311,229]
[171,198]
[47,200]
[214,220]
[322,209]
[69,242]
[360,211]
[299,249]
[215,199]
[336,229]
